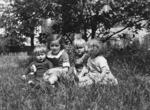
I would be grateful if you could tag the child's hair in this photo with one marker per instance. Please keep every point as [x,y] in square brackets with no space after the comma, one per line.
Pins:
[40,49]
[55,37]
[96,43]
[78,36]
[79,43]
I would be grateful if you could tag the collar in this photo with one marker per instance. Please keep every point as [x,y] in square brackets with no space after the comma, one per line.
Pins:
[50,55]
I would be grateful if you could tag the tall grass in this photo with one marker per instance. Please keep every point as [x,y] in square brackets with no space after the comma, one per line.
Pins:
[132,93]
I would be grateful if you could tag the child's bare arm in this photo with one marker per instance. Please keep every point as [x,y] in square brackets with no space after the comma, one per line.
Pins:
[103,66]
[57,70]
[83,72]
[54,70]
[33,68]
[30,70]
[105,71]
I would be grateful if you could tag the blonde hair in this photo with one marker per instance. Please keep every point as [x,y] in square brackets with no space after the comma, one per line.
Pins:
[79,42]
[78,36]
[40,49]
[96,43]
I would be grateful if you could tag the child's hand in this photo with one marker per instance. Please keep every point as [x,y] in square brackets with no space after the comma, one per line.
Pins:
[54,71]
[45,77]
[33,68]
[79,61]
[31,73]
[83,72]
[24,77]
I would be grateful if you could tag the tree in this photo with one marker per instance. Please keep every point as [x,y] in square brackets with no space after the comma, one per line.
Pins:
[12,41]
[25,12]
[25,16]
[103,15]
[76,15]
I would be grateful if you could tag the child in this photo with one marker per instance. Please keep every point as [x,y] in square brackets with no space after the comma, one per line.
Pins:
[39,66]
[97,70]
[60,59]
[80,55]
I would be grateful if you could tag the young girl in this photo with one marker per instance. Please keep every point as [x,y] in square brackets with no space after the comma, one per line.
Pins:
[59,57]
[39,66]
[97,70]
[81,55]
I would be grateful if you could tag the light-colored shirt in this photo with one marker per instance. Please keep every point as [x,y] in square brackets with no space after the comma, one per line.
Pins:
[59,60]
[97,64]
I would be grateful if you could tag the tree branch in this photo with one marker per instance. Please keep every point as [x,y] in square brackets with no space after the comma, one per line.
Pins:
[107,38]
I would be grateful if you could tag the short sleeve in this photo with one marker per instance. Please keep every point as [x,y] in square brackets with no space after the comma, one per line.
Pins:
[102,62]
[65,59]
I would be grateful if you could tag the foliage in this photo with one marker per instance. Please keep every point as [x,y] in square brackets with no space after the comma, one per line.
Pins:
[3,46]
[13,39]
[72,16]
[100,16]
[10,44]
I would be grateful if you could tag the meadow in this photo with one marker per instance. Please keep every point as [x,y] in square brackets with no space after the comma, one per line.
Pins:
[131,67]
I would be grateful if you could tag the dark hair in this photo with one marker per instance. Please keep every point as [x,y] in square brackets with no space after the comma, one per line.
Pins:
[54,37]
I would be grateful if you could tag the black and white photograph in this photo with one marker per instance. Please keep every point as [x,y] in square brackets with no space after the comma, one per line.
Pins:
[74,54]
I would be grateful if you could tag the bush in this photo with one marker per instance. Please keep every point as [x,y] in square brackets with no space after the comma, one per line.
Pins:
[10,44]
[3,46]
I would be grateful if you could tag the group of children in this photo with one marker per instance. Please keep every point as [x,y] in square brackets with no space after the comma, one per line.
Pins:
[90,65]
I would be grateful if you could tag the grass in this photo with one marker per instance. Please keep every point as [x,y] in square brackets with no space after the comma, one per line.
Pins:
[132,93]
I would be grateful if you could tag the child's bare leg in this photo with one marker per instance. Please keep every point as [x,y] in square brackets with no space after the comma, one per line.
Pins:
[53,79]
[85,81]
[110,79]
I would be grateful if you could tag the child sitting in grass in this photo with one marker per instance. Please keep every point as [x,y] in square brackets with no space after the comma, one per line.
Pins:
[97,69]
[38,67]
[81,56]
[60,59]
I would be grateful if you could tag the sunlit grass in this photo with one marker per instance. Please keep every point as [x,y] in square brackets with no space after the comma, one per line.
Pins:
[132,93]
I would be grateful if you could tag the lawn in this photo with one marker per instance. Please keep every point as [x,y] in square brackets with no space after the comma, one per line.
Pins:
[132,93]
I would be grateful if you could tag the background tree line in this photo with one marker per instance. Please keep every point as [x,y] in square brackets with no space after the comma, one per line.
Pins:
[73,16]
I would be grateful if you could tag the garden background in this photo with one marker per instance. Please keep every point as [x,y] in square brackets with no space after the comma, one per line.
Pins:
[123,27]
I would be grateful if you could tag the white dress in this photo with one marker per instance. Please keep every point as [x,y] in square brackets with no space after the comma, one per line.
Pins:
[98,72]
[60,61]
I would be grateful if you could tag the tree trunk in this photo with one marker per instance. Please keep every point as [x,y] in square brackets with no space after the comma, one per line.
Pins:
[93,32]
[32,41]
[93,26]
[30,51]
[85,37]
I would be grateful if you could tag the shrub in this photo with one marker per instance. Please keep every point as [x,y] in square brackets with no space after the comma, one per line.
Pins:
[3,46]
[9,44]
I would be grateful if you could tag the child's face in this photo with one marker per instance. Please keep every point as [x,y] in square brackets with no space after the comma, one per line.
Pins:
[80,50]
[41,57]
[55,47]
[93,50]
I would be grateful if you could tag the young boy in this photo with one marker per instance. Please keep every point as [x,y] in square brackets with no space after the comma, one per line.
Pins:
[39,66]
